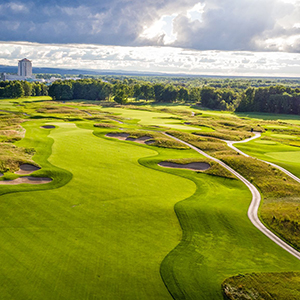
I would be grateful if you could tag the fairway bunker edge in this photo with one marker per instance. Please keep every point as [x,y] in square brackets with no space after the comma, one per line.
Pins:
[194,166]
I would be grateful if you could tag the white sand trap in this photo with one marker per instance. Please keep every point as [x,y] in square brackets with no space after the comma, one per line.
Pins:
[125,137]
[26,169]
[195,166]
[26,179]
[48,126]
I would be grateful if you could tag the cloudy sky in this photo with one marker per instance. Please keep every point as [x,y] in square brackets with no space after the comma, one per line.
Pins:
[225,37]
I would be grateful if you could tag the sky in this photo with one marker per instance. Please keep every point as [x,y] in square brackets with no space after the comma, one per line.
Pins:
[211,37]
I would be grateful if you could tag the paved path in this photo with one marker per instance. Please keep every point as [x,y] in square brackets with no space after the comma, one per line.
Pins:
[256,198]
[257,135]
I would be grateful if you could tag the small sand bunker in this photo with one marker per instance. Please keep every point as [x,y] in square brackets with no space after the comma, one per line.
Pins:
[27,179]
[125,137]
[119,136]
[48,126]
[26,169]
[195,166]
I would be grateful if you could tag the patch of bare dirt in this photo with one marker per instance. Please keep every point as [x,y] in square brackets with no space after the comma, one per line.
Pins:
[26,179]
[194,166]
[26,169]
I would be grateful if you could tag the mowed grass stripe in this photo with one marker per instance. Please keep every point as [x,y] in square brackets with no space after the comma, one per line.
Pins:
[218,241]
[102,235]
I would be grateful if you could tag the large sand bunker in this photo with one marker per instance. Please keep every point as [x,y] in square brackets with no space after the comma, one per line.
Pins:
[195,166]
[27,179]
[48,126]
[125,137]
[26,169]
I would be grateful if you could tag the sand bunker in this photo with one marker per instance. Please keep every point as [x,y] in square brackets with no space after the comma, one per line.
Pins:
[48,126]
[195,166]
[125,137]
[119,136]
[27,179]
[26,169]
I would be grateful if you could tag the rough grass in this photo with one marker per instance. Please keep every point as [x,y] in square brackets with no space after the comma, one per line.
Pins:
[263,286]
[210,145]
[229,135]
[280,214]
[283,216]
[272,182]
[105,125]
[12,156]
[157,138]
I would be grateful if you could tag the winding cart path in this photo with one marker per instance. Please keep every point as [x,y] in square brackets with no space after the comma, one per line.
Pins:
[256,197]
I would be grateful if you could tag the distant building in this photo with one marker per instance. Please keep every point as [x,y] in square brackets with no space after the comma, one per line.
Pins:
[25,68]
[10,77]
[24,72]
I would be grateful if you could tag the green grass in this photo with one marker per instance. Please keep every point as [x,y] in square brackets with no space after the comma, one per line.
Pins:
[274,151]
[103,235]
[281,215]
[147,118]
[218,240]
[267,286]
[105,227]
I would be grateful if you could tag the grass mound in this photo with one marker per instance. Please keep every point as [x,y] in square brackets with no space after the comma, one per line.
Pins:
[263,286]
[283,216]
[227,135]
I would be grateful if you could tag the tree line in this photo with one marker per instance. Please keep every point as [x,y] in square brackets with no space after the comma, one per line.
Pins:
[121,91]
[274,99]
[17,89]
[271,99]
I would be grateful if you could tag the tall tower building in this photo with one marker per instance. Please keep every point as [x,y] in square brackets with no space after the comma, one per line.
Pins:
[25,68]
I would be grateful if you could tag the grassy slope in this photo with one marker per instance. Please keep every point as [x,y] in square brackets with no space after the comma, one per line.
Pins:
[267,286]
[101,236]
[281,215]
[283,155]
[219,240]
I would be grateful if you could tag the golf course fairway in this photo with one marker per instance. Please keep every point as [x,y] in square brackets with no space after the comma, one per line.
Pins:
[111,231]
[101,236]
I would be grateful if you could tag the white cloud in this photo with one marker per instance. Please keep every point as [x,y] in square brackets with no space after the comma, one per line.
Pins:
[161,30]
[196,12]
[152,59]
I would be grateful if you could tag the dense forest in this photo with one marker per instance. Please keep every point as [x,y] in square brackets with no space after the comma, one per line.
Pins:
[17,89]
[222,94]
